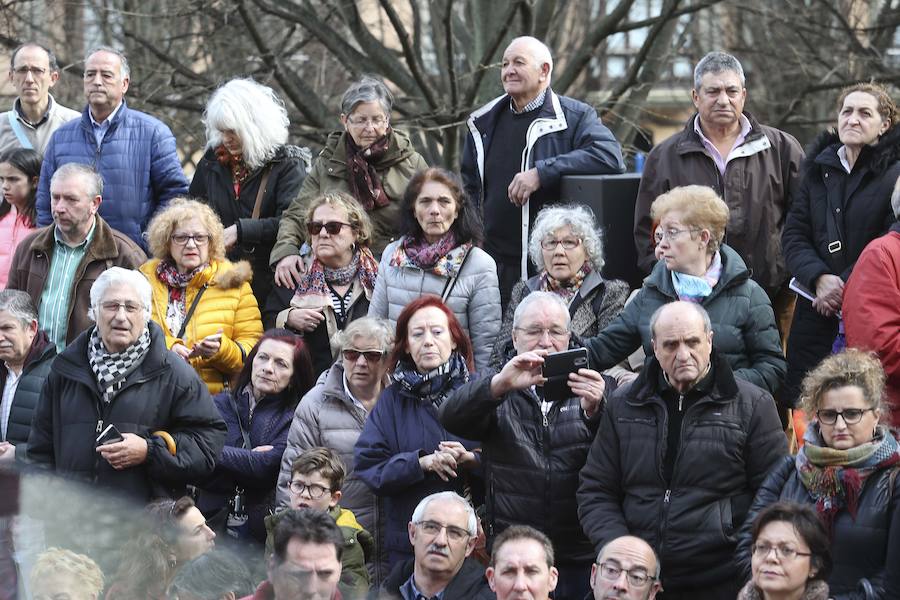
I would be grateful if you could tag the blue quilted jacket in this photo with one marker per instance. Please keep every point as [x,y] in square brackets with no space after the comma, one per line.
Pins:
[137,159]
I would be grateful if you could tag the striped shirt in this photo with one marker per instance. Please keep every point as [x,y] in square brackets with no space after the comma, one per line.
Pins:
[56,298]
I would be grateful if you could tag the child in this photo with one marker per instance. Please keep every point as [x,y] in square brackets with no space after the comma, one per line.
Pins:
[316,479]
[20,170]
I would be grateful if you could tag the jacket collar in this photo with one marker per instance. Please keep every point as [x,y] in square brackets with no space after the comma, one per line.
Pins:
[399,149]
[877,158]
[647,387]
[120,115]
[734,270]
[101,247]
[40,348]
[755,142]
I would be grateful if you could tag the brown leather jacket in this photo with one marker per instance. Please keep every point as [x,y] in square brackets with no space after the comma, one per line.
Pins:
[758,186]
[108,248]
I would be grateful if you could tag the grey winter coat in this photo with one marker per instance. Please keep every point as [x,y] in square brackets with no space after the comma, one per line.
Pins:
[475,297]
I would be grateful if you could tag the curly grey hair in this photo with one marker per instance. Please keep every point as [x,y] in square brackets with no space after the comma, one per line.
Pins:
[580,220]
[378,331]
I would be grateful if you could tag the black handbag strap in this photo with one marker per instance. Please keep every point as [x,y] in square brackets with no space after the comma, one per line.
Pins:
[451,282]
[190,312]
[835,248]
[246,436]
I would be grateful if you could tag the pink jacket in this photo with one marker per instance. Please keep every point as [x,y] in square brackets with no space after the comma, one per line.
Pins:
[12,231]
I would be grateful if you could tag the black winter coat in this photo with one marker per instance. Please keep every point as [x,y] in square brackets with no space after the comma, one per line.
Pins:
[531,463]
[37,365]
[213,184]
[468,584]
[865,548]
[162,393]
[730,439]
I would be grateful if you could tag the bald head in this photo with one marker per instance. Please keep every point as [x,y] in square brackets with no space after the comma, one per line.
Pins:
[626,558]
[682,343]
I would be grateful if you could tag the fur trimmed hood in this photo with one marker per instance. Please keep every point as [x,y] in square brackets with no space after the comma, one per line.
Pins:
[879,157]
[815,590]
[230,275]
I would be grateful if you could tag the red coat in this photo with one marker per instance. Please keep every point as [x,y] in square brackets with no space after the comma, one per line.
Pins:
[871,311]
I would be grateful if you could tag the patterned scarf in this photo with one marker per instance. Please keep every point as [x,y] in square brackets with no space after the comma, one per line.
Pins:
[835,478]
[362,266]
[694,289]
[111,368]
[565,289]
[365,185]
[177,283]
[235,165]
[435,385]
[443,258]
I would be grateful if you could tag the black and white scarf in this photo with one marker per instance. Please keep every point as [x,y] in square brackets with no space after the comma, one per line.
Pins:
[111,368]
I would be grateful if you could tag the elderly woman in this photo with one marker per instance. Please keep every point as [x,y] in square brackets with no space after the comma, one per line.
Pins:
[338,278]
[846,470]
[697,267]
[403,452]
[258,412]
[249,174]
[202,302]
[565,246]
[844,203]
[368,159]
[59,573]
[438,255]
[791,555]
[119,375]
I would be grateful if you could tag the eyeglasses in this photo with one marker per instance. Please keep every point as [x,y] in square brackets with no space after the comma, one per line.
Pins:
[671,233]
[372,356]
[636,577]
[433,528]
[113,307]
[784,551]
[363,122]
[182,238]
[851,416]
[314,490]
[332,227]
[567,244]
[24,71]
[534,333]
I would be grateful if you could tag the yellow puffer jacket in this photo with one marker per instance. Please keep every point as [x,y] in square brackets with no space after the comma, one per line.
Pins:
[227,304]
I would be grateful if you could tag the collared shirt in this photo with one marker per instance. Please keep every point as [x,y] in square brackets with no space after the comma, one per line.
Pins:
[350,395]
[17,106]
[53,313]
[842,156]
[534,104]
[100,129]
[714,152]
[9,391]
[409,591]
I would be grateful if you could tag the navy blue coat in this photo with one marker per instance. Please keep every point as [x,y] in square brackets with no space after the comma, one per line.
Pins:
[399,430]
[136,158]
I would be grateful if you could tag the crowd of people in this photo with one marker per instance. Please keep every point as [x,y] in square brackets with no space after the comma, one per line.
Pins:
[337,365]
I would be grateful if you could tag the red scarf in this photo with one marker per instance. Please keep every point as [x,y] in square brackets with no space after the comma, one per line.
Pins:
[235,165]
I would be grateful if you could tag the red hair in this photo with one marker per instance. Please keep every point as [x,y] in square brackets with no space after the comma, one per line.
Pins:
[459,337]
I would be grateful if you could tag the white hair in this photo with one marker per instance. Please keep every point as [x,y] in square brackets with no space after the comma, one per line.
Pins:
[254,112]
[453,496]
[120,276]
[535,297]
[539,51]
[580,220]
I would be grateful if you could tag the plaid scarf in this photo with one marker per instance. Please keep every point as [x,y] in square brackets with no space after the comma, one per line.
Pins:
[111,368]
[365,185]
[434,386]
[177,283]
[236,166]
[443,258]
[694,289]
[362,266]
[565,289]
[835,478]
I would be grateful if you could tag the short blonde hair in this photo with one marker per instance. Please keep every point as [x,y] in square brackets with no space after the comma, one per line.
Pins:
[850,367]
[159,232]
[699,205]
[356,214]
[85,572]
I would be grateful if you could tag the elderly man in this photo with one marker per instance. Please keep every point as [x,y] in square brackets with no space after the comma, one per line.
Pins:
[522,565]
[508,164]
[134,152]
[679,457]
[35,115]
[534,446]
[119,373]
[626,568]
[442,532]
[27,355]
[755,168]
[56,265]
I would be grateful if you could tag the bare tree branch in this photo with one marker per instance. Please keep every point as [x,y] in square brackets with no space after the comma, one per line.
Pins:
[412,60]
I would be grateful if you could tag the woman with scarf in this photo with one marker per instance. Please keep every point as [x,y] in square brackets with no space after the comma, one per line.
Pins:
[697,267]
[403,452]
[249,174]
[438,255]
[565,245]
[337,281]
[368,159]
[848,471]
[202,301]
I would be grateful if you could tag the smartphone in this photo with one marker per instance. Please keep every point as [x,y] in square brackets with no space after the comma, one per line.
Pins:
[556,369]
[110,435]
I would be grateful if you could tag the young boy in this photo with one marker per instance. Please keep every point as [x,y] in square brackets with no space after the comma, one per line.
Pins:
[316,479]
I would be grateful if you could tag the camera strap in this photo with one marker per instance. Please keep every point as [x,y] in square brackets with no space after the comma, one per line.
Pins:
[246,436]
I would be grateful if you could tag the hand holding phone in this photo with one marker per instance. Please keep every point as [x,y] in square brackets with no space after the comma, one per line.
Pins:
[556,370]
[110,435]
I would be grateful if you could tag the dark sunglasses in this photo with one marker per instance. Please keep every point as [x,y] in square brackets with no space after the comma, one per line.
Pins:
[371,356]
[332,227]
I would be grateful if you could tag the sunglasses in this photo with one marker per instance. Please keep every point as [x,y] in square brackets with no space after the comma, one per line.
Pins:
[332,227]
[371,355]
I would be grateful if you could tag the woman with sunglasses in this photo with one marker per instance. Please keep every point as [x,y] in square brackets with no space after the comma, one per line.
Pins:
[202,301]
[847,470]
[338,278]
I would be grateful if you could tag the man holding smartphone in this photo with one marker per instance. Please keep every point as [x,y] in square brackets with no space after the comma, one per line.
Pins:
[535,445]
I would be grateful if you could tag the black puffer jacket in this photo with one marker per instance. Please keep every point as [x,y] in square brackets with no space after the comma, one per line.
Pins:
[531,463]
[468,584]
[865,548]
[37,365]
[730,439]
[162,393]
